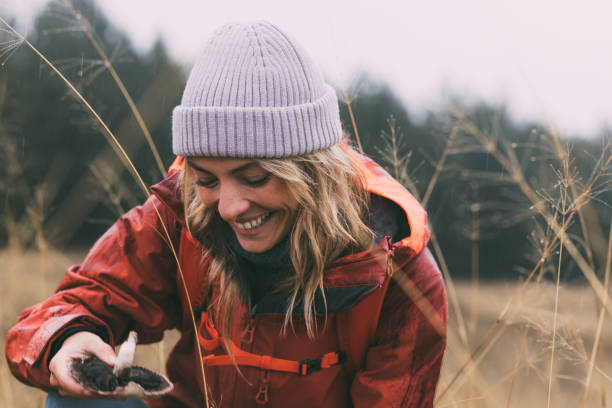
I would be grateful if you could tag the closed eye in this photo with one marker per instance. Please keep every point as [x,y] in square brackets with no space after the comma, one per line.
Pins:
[258,181]
[206,183]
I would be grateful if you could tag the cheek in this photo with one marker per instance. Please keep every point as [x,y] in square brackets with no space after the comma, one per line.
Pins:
[288,202]
[205,196]
[278,195]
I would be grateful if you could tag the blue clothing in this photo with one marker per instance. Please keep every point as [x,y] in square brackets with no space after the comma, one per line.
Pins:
[54,400]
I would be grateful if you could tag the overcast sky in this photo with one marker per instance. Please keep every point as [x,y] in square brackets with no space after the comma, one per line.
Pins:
[546,59]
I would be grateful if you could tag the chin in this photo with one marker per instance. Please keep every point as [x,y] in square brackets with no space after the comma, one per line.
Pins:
[255,247]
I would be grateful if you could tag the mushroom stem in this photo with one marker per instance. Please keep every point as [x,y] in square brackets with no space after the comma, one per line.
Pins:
[125,356]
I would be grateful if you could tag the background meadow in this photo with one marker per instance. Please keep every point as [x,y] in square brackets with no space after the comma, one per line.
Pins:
[520,214]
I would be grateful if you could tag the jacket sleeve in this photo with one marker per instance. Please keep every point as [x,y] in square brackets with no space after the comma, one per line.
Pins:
[402,368]
[126,282]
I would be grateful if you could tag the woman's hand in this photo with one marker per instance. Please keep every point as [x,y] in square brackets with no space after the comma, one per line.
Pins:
[78,346]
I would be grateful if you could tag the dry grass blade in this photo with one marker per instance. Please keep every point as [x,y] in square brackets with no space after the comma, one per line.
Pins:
[600,321]
[514,371]
[8,48]
[129,164]
[509,165]
[107,132]
[458,352]
[450,285]
[475,237]
[499,320]
[447,276]
[85,26]
[517,365]
[563,192]
[394,148]
[490,339]
[563,155]
[439,166]
[554,332]
[393,145]
[489,346]
[350,109]
[606,376]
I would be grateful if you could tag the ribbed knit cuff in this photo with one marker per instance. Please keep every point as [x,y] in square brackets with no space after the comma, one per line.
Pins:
[273,131]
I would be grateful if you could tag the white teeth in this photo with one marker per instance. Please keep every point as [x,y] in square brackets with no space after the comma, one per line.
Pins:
[253,223]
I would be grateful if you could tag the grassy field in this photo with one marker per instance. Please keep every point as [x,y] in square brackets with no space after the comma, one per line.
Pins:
[526,343]
[512,371]
[27,278]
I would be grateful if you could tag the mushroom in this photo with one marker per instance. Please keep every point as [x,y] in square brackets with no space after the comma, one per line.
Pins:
[123,380]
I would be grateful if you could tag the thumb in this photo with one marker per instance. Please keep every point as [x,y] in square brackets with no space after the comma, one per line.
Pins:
[104,352]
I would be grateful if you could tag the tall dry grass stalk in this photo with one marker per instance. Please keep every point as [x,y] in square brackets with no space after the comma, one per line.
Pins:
[571,203]
[523,330]
[600,322]
[108,65]
[348,102]
[130,166]
[554,332]
[397,159]
[563,192]
[510,164]
[475,238]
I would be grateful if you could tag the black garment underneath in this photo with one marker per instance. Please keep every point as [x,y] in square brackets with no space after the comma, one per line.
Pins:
[261,273]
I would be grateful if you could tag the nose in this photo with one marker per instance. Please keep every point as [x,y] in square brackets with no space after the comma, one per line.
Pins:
[231,203]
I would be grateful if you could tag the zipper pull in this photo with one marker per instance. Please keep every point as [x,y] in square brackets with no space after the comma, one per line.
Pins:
[262,394]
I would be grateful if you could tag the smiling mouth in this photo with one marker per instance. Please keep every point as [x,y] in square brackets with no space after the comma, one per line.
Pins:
[254,223]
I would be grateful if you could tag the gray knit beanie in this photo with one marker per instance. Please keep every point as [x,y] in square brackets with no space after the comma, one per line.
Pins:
[254,93]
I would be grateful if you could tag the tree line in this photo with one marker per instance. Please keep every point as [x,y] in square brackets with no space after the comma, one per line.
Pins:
[63,185]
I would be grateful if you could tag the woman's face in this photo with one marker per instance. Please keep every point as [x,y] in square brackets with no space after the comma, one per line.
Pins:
[256,204]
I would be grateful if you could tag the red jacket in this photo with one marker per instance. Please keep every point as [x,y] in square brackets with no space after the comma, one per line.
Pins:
[129,281]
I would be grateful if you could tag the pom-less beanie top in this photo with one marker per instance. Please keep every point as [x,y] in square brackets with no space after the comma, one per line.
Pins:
[254,92]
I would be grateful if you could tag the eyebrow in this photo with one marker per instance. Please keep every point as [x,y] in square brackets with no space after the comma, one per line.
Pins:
[233,171]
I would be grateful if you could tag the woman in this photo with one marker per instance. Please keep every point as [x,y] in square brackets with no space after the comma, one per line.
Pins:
[287,241]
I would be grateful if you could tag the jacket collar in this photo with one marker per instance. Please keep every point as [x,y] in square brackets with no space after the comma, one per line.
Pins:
[168,191]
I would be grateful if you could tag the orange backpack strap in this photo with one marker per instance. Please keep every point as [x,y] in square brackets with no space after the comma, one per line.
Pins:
[356,332]
[210,340]
[357,327]
[264,362]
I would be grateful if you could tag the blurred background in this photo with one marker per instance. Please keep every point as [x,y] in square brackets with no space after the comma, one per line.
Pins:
[496,116]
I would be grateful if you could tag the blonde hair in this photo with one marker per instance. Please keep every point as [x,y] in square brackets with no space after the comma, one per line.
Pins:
[330,220]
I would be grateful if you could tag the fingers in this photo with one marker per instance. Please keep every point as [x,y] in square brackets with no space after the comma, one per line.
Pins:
[53,381]
[77,347]
[68,387]
[82,344]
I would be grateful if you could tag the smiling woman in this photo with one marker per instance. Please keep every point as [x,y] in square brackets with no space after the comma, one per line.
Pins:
[303,277]
[258,206]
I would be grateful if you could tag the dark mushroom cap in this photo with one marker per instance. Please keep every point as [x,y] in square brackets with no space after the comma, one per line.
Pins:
[95,375]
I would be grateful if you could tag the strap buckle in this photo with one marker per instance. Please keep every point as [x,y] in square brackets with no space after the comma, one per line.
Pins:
[308,366]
